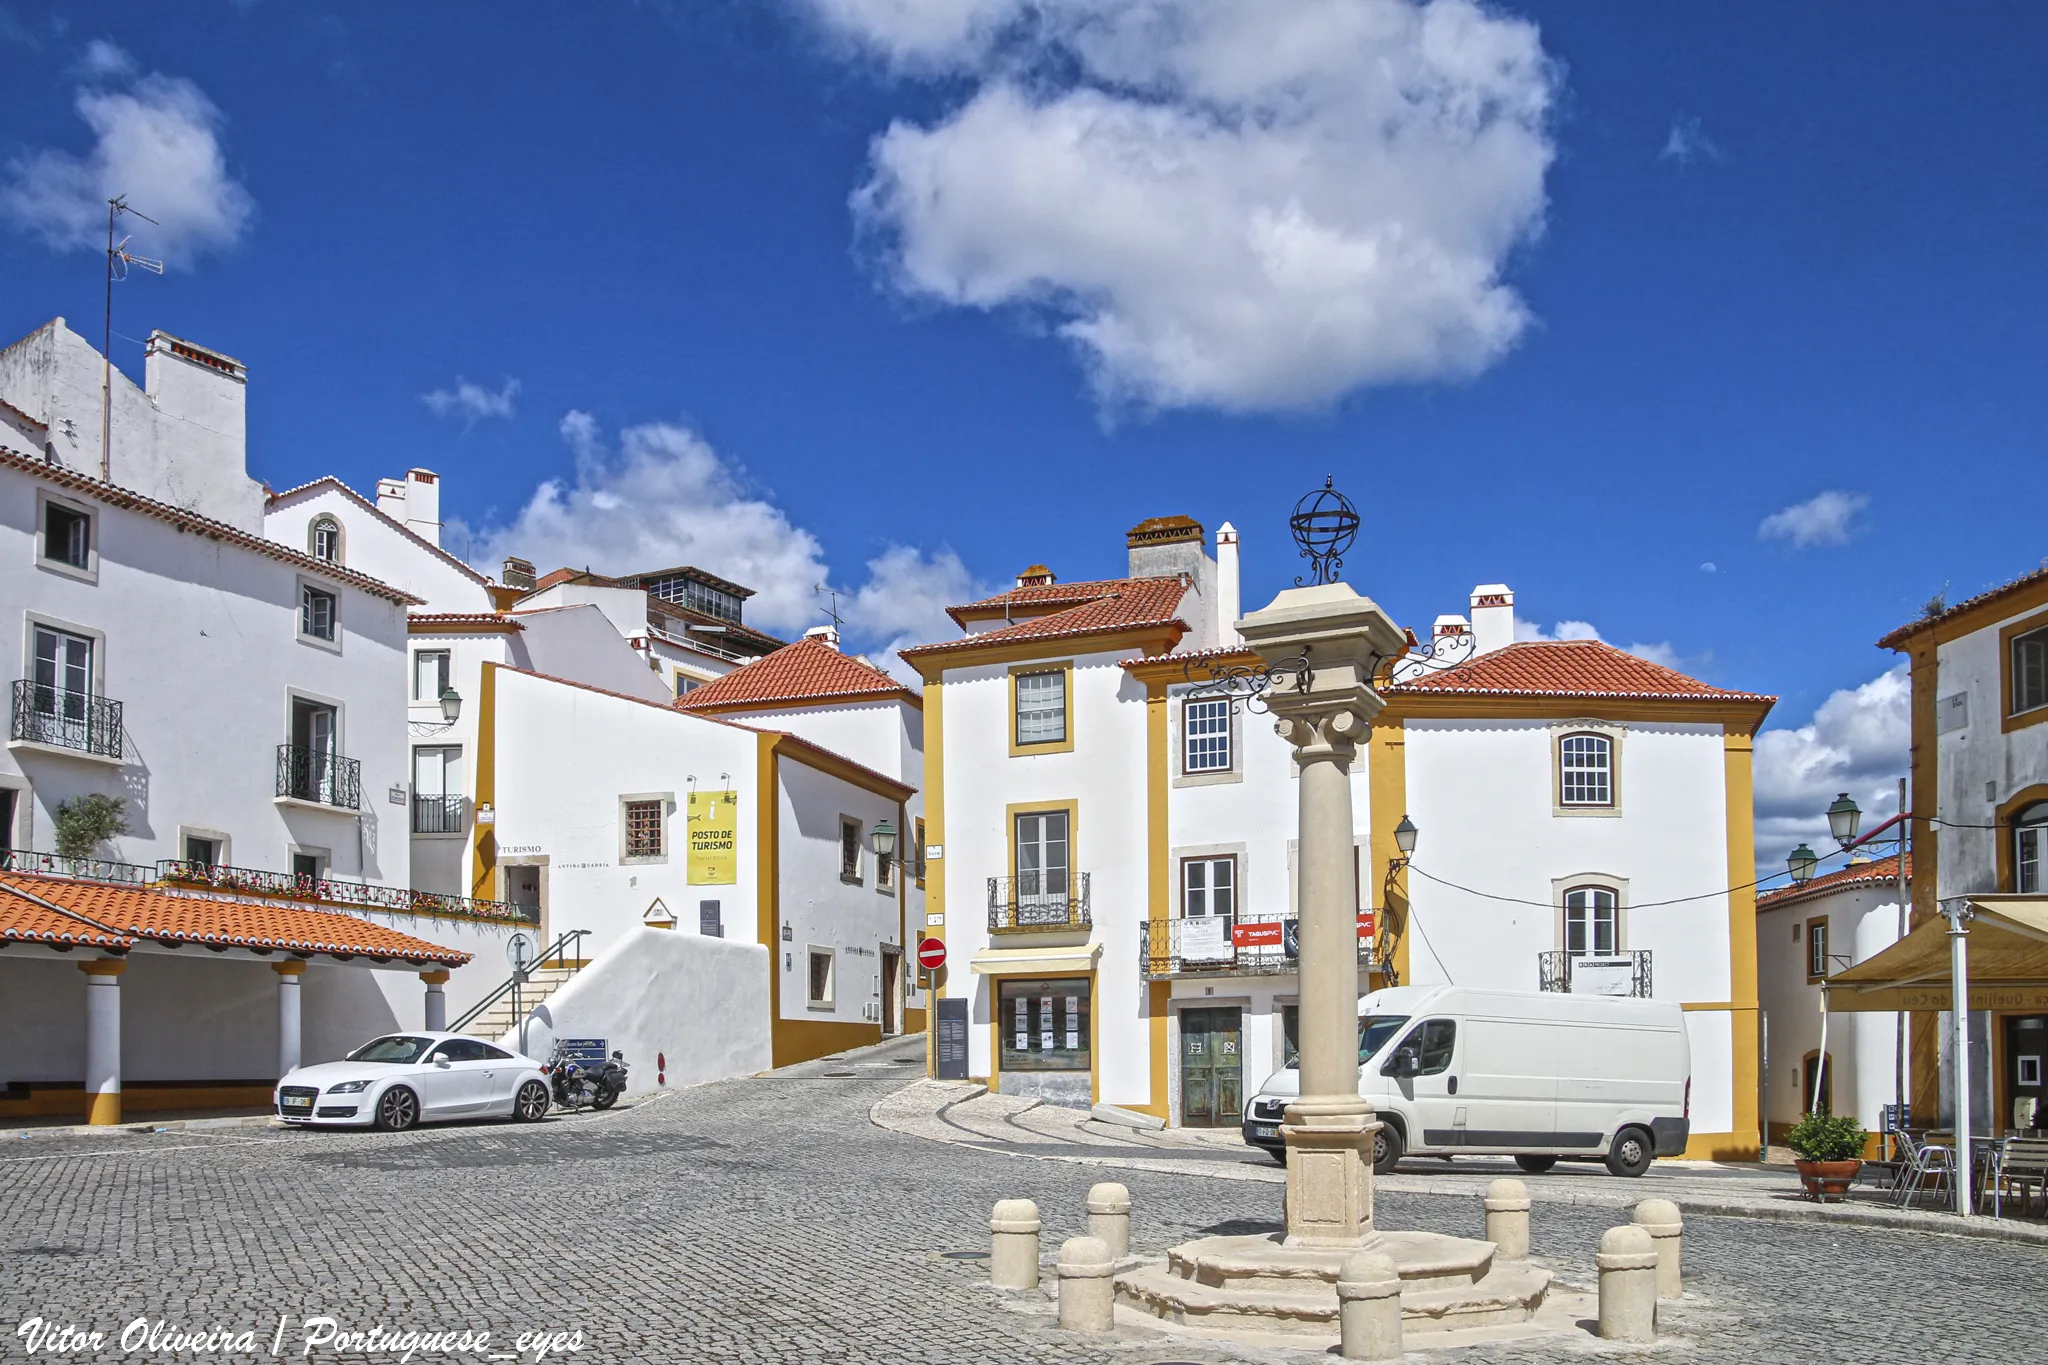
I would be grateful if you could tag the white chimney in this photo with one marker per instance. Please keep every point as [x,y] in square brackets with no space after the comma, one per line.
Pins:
[1227,588]
[1450,625]
[829,634]
[1493,617]
[423,504]
[391,499]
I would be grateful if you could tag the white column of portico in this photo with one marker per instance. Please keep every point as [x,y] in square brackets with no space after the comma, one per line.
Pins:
[437,1000]
[288,1035]
[103,1038]
[1329,1130]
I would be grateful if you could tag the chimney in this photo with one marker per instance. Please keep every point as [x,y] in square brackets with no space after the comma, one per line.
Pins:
[1227,588]
[423,504]
[828,634]
[518,573]
[1037,576]
[1450,626]
[1161,546]
[1493,617]
[391,499]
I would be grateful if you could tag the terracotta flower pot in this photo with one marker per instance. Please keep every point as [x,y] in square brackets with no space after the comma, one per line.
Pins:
[1827,1178]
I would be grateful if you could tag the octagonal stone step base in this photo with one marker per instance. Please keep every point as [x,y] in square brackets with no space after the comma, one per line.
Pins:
[1255,1284]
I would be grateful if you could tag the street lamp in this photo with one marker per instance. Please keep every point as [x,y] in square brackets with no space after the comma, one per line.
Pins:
[1404,836]
[1843,819]
[1801,864]
[451,705]
[885,838]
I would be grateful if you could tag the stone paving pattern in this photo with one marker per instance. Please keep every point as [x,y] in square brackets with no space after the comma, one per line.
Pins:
[768,1220]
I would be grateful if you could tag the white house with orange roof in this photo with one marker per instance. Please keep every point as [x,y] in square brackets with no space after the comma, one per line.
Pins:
[1111,837]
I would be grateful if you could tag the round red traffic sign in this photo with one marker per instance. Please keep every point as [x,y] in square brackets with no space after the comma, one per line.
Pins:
[931,953]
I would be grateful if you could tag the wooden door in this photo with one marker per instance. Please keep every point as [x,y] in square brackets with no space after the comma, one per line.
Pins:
[1211,1068]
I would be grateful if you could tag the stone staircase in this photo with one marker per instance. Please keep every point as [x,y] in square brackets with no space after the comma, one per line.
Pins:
[500,1023]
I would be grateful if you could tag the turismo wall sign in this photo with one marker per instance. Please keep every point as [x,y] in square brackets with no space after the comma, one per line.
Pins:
[714,838]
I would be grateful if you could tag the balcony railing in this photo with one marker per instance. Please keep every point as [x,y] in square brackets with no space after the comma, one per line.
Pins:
[1024,903]
[66,720]
[247,881]
[83,869]
[1594,973]
[319,775]
[1225,945]
[437,815]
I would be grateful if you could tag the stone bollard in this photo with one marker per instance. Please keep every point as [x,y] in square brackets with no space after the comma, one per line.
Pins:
[1109,1217]
[1628,1284]
[1369,1307]
[1507,1219]
[1666,1226]
[1087,1291]
[1013,1259]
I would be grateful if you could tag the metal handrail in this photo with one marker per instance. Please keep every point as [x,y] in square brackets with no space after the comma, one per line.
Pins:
[319,775]
[1255,945]
[83,869]
[65,720]
[437,814]
[359,895]
[1018,903]
[553,952]
[1554,969]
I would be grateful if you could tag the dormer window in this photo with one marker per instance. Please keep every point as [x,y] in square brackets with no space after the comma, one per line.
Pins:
[324,540]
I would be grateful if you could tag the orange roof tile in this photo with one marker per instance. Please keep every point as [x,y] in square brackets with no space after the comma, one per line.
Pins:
[1898,638]
[1110,606]
[24,921]
[429,622]
[168,917]
[809,670]
[1566,668]
[1038,597]
[1876,872]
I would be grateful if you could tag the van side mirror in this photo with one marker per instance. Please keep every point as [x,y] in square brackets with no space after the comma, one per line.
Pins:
[1402,1063]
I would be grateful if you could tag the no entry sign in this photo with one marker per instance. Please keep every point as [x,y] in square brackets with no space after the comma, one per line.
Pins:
[931,953]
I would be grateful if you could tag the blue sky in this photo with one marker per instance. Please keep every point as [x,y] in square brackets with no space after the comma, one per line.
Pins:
[900,294]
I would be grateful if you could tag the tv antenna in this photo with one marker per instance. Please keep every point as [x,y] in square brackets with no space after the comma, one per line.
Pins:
[832,611]
[119,259]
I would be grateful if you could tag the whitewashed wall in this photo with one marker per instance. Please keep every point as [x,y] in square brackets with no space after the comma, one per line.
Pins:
[1981,766]
[375,545]
[1862,921]
[819,907]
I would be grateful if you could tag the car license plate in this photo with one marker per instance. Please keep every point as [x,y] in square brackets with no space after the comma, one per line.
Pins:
[1266,1130]
[298,1102]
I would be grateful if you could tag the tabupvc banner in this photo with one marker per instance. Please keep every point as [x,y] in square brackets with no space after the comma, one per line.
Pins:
[714,838]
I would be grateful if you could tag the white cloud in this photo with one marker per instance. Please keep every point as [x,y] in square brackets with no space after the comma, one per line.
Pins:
[1857,741]
[904,601]
[104,60]
[472,402]
[1659,653]
[1823,519]
[1687,143]
[156,142]
[1218,205]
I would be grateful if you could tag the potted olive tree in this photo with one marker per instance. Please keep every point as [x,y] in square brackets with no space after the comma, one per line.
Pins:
[1830,1152]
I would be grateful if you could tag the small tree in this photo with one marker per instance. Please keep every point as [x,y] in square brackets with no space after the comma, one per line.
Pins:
[1827,1137]
[86,822]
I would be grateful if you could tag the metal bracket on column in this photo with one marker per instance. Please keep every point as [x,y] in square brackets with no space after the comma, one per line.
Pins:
[1249,683]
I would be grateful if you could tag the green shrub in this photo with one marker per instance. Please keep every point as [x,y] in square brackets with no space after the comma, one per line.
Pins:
[86,822]
[1827,1137]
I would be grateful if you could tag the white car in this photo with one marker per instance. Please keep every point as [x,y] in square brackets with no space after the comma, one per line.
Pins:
[402,1079]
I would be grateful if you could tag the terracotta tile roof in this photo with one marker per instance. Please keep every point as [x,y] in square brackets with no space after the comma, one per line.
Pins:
[1877,872]
[23,921]
[1566,668]
[809,670]
[1233,654]
[1038,597]
[1909,630]
[329,481]
[137,913]
[116,496]
[1112,605]
[424,622]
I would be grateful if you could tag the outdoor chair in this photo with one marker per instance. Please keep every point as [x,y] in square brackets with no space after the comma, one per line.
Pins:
[1929,1168]
[2021,1166]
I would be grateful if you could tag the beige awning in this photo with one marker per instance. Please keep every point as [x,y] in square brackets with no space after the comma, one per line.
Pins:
[2008,947]
[1076,959]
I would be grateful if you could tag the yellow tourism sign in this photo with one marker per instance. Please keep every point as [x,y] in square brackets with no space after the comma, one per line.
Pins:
[714,838]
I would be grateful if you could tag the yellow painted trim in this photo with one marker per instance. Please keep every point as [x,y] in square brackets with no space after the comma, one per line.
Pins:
[832,765]
[1063,667]
[70,1100]
[292,968]
[1997,607]
[935,833]
[104,966]
[932,665]
[2003,816]
[1715,1005]
[1744,1035]
[1720,1147]
[436,978]
[1744,715]
[1159,882]
[1387,787]
[483,881]
[103,1107]
[2007,721]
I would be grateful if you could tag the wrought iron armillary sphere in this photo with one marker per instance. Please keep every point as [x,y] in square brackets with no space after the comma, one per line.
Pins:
[1324,525]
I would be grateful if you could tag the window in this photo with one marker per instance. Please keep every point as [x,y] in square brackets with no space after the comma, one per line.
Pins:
[67,535]
[1044,1024]
[1208,886]
[316,613]
[308,867]
[429,674]
[2029,671]
[819,990]
[63,673]
[685,684]
[1042,864]
[204,852]
[436,790]
[1432,1044]
[849,849]
[643,829]
[1041,708]
[1591,921]
[918,866]
[324,540]
[2030,849]
[1205,735]
[1585,770]
[1816,948]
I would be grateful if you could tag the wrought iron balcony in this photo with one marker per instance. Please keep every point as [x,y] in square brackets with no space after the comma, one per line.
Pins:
[437,814]
[1225,945]
[82,869]
[245,881]
[1594,973]
[66,720]
[1025,903]
[319,775]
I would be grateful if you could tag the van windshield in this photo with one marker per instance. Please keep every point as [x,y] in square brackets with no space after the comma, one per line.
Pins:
[1374,1030]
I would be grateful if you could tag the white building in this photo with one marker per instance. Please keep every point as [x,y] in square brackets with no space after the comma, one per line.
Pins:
[1097,802]
[687,624]
[1805,934]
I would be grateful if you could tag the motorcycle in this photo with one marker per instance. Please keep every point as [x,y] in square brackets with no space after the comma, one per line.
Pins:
[576,1083]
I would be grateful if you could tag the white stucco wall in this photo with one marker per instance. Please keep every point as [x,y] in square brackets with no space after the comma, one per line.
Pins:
[822,909]
[373,544]
[699,1003]
[1981,766]
[1861,923]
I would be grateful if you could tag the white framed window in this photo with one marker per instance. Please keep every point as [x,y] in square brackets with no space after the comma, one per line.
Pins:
[1592,921]
[323,539]
[1585,770]
[1042,857]
[2029,664]
[1042,708]
[67,539]
[63,672]
[1208,886]
[437,789]
[819,984]
[2030,849]
[316,613]
[1817,948]
[1205,735]
[849,849]
[429,674]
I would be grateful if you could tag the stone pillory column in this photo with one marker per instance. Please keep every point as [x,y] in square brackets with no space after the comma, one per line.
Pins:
[1322,644]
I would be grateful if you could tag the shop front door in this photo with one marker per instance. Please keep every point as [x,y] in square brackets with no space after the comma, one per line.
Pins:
[1211,1068]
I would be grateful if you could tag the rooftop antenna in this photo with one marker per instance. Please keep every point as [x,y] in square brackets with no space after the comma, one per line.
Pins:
[833,610]
[119,258]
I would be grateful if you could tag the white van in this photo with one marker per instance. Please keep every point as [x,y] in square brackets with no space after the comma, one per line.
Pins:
[1535,1076]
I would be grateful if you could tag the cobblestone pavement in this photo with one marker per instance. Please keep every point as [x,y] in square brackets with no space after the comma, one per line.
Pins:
[769,1220]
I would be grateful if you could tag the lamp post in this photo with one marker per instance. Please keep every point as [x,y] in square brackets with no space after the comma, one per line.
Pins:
[1801,863]
[1844,817]
[451,705]
[1404,837]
